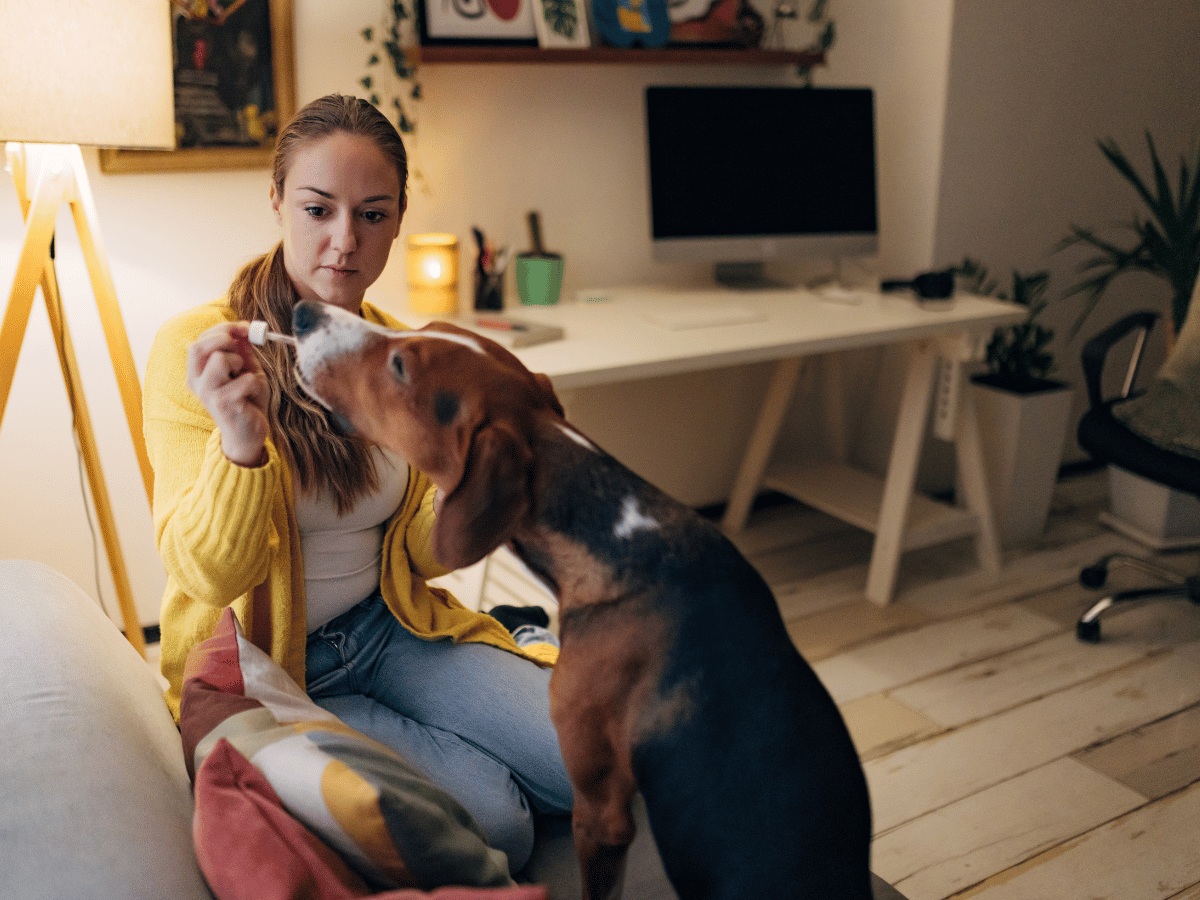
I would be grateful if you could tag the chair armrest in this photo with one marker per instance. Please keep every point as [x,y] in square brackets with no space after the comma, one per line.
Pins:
[1096,350]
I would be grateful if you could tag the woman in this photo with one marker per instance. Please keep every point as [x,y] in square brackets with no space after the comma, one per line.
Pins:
[318,541]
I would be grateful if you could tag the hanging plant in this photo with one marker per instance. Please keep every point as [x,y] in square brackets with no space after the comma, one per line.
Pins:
[394,88]
[818,16]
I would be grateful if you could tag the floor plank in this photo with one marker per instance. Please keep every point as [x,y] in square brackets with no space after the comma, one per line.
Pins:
[879,725]
[975,691]
[1024,572]
[1154,760]
[904,658]
[824,634]
[1149,854]
[973,839]
[935,773]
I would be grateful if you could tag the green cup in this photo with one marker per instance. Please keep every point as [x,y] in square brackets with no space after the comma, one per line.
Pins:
[539,279]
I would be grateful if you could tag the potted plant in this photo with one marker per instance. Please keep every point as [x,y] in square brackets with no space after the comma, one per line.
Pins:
[1165,243]
[1166,240]
[1023,412]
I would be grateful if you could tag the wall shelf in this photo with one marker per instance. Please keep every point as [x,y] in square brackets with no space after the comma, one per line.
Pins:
[706,56]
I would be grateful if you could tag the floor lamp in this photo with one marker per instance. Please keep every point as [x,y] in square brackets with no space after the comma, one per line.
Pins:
[80,72]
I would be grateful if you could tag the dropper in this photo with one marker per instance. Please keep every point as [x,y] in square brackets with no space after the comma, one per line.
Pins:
[259,335]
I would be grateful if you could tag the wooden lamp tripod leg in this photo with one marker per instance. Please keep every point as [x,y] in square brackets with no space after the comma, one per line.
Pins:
[36,268]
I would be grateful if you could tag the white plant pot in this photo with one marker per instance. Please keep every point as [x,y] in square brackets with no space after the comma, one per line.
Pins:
[1152,513]
[1023,435]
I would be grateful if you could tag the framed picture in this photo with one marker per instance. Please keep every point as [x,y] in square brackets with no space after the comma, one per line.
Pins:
[234,87]
[478,22]
[561,23]
[632,23]
[715,23]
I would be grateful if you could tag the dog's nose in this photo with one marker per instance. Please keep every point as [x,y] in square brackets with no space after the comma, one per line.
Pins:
[307,315]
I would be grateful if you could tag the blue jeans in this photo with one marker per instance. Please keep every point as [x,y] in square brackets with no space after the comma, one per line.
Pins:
[473,718]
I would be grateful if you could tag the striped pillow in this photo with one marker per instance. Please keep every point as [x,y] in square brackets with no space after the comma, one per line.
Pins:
[387,821]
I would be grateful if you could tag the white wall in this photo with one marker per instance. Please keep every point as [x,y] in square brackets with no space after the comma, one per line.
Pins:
[495,142]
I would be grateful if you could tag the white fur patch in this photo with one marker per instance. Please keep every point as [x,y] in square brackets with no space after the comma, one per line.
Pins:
[632,519]
[469,343]
[343,332]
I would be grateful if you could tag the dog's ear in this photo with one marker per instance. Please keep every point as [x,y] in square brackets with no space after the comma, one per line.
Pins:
[508,359]
[547,388]
[492,496]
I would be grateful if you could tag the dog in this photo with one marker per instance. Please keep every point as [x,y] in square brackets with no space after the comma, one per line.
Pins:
[676,675]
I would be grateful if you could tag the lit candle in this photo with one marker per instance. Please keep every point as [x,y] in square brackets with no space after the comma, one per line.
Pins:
[433,274]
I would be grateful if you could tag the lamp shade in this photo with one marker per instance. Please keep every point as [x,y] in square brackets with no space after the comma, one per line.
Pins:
[87,72]
[433,273]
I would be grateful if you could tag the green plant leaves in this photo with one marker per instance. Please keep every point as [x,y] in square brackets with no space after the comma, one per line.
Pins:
[1165,243]
[1019,353]
[562,16]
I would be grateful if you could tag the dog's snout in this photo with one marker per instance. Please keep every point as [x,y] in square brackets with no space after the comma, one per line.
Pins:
[307,315]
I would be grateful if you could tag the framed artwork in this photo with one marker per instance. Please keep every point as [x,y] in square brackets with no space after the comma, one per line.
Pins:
[478,22]
[561,23]
[234,87]
[715,23]
[632,23]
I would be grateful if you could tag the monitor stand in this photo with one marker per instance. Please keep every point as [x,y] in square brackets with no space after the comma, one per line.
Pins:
[745,276]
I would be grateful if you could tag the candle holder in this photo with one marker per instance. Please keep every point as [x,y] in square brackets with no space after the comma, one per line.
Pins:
[433,274]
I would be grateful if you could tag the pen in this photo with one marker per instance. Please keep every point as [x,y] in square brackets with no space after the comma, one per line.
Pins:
[501,324]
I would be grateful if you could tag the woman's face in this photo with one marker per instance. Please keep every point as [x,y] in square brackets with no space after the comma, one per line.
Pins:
[340,211]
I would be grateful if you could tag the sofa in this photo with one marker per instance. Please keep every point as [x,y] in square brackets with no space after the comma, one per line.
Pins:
[95,797]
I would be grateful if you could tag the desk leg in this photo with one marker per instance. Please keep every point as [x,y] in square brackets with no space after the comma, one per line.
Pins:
[968,447]
[762,442]
[901,471]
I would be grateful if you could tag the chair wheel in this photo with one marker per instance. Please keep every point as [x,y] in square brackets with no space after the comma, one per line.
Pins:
[1088,631]
[1094,576]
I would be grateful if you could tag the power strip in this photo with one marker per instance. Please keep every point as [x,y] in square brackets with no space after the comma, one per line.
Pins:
[945,398]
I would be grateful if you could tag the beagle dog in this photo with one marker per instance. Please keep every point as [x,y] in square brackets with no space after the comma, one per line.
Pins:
[676,676]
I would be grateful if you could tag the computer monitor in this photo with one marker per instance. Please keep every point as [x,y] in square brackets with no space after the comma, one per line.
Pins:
[740,176]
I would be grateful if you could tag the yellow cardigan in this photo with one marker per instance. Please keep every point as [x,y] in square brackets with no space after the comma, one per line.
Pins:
[228,535]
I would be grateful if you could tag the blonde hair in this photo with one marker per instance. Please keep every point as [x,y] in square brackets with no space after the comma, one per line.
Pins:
[321,454]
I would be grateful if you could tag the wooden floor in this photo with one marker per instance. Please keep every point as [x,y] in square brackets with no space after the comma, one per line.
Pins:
[1005,758]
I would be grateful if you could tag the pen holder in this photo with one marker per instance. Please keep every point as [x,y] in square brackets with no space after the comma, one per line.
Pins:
[539,279]
[489,290]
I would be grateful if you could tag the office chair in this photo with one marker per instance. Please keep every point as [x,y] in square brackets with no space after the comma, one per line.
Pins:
[1154,433]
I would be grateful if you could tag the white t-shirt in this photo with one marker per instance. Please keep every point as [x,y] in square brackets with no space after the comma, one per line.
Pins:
[343,554]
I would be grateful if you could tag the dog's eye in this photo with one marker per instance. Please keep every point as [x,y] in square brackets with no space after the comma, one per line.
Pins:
[445,408]
[398,369]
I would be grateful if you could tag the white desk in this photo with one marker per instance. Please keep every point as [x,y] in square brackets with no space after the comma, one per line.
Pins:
[615,340]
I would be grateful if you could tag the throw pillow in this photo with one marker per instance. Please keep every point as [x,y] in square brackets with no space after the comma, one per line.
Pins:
[250,848]
[387,821]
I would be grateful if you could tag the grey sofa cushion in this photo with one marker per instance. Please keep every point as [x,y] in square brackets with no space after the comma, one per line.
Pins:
[94,797]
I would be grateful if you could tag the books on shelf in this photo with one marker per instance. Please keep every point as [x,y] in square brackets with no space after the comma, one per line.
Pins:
[512,332]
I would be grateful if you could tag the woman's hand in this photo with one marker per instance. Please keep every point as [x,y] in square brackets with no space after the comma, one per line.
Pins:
[223,372]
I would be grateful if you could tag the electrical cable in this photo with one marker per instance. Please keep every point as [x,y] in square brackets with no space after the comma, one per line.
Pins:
[60,343]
